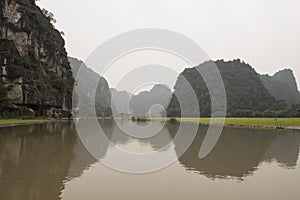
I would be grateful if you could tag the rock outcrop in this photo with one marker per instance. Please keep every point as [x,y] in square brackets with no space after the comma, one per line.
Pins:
[244,90]
[282,86]
[35,71]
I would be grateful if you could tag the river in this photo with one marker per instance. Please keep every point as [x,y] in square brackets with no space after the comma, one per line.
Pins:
[48,162]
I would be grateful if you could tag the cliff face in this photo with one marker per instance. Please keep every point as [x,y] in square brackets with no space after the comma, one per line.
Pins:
[35,72]
[88,82]
[244,89]
[282,86]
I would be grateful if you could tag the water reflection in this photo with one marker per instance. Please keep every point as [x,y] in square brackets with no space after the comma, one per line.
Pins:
[37,160]
[239,152]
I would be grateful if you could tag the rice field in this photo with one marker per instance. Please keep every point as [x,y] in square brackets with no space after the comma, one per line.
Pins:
[268,122]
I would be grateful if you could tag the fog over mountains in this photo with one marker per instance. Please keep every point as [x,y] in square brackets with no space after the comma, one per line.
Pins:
[246,91]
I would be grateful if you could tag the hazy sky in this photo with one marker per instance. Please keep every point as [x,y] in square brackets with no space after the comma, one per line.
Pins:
[264,33]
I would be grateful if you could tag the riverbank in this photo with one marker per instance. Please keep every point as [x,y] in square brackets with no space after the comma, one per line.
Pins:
[20,122]
[269,123]
[265,123]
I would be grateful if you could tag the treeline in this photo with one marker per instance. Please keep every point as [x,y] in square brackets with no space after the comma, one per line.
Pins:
[293,111]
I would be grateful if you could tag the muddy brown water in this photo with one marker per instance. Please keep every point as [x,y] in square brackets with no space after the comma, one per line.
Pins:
[48,162]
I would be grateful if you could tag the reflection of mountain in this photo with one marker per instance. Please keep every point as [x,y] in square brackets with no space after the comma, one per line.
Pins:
[82,161]
[239,152]
[35,160]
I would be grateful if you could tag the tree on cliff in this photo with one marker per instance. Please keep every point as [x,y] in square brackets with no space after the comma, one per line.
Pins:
[37,74]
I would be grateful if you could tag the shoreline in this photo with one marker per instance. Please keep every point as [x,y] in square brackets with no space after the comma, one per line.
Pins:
[253,123]
[241,126]
[256,123]
[24,122]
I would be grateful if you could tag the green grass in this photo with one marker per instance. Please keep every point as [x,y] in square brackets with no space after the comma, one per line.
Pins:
[20,121]
[268,122]
[282,122]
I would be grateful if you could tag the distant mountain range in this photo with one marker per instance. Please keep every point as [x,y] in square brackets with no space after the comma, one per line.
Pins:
[120,100]
[151,103]
[147,103]
[248,93]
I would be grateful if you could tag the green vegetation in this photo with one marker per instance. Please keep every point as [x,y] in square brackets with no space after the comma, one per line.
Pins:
[41,66]
[293,111]
[242,122]
[262,122]
[49,15]
[284,122]
[20,121]
[141,119]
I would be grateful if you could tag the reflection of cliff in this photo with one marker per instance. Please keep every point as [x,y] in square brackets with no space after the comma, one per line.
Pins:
[284,149]
[35,160]
[82,158]
[239,152]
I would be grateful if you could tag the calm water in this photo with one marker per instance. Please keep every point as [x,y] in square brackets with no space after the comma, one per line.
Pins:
[49,162]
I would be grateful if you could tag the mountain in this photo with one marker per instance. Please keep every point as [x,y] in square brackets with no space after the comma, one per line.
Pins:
[120,100]
[86,83]
[36,77]
[282,86]
[244,90]
[151,103]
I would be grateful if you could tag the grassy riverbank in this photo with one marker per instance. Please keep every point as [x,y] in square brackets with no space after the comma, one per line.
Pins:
[268,122]
[4,122]
[252,122]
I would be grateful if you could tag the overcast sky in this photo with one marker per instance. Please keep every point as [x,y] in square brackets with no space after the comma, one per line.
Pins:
[264,33]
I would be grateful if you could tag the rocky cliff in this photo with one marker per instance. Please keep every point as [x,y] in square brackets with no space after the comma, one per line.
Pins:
[87,82]
[35,72]
[282,86]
